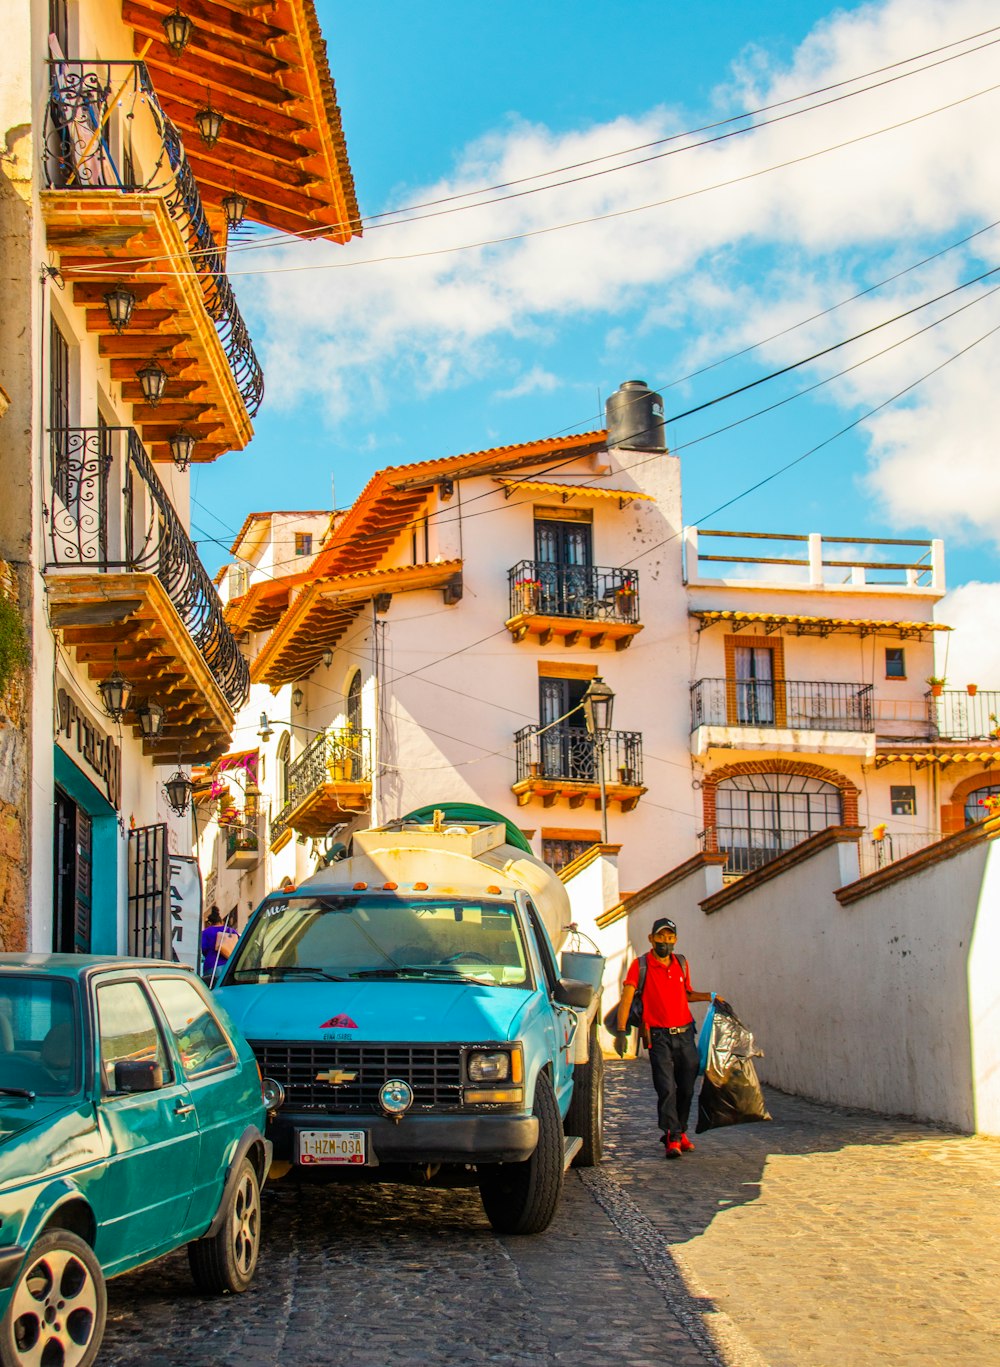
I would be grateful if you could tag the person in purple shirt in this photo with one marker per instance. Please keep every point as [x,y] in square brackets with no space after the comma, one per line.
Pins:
[218,940]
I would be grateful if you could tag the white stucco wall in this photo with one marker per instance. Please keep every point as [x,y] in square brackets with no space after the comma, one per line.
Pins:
[889,1003]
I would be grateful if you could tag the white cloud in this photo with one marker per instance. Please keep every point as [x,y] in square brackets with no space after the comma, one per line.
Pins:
[534,381]
[971,653]
[810,230]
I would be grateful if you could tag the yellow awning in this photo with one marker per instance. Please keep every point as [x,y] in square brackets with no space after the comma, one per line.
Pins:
[821,626]
[935,756]
[568,491]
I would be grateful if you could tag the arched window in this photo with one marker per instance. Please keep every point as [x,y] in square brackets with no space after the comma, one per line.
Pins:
[760,815]
[973,811]
[281,770]
[354,702]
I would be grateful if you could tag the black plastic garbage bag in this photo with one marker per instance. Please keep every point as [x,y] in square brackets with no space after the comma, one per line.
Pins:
[730,1093]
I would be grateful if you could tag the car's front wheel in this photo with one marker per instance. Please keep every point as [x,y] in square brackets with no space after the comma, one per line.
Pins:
[57,1306]
[227,1260]
[521,1198]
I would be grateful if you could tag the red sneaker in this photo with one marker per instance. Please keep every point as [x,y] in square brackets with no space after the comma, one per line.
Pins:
[685,1144]
[673,1149]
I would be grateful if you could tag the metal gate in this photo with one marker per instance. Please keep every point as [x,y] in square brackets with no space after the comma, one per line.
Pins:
[149,892]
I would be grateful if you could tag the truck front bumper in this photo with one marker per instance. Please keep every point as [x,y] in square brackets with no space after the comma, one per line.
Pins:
[419,1138]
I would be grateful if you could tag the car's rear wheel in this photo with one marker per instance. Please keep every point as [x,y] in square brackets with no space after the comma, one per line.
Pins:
[58,1305]
[521,1198]
[227,1260]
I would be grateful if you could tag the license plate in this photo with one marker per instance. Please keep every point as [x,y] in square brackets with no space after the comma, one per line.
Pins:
[332,1146]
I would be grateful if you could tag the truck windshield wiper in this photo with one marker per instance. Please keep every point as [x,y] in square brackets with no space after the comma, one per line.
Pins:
[281,969]
[18,1091]
[439,974]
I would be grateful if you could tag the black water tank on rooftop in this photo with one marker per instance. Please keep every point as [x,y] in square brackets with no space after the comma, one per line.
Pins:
[634,418]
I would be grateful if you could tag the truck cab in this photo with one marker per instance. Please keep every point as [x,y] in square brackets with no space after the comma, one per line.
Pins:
[407,1008]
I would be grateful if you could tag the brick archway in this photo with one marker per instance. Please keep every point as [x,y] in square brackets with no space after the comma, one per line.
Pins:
[953,811]
[849,794]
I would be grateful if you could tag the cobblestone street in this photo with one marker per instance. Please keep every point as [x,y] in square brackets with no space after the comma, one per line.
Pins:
[827,1237]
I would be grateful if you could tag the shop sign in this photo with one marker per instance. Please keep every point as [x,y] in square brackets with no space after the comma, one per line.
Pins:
[185,909]
[100,754]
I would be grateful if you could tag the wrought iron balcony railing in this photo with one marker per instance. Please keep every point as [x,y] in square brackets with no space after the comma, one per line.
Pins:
[340,755]
[589,592]
[92,526]
[788,703]
[570,753]
[958,715]
[103,123]
[751,847]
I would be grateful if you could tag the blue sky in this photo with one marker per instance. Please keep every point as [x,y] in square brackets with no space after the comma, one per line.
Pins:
[376,364]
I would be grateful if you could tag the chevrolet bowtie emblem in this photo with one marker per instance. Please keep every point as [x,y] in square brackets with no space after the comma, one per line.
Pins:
[336,1077]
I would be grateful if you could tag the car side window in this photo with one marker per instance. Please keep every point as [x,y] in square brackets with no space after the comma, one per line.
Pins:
[201,1041]
[549,967]
[128,1031]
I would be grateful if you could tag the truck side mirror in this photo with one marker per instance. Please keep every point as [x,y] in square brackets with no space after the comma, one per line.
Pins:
[573,992]
[135,1075]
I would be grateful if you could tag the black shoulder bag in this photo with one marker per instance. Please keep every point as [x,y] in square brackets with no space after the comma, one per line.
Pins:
[634,1021]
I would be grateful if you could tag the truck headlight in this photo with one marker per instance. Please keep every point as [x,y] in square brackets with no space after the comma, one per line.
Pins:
[489,1065]
[273,1093]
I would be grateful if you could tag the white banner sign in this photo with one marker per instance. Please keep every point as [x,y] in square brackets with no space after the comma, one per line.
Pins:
[185,909]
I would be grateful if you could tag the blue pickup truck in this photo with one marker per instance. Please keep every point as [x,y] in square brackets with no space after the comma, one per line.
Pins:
[409,1015]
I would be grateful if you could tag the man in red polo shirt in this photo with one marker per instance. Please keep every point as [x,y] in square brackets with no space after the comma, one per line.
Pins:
[668,1031]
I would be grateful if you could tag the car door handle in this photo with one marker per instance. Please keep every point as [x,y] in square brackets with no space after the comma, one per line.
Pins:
[182,1109]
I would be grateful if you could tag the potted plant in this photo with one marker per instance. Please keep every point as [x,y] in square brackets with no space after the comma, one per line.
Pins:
[625,597]
[338,759]
[937,685]
[972,689]
[528,591]
[994,726]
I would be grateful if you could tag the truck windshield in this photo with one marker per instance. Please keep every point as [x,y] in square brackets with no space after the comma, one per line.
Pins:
[451,939]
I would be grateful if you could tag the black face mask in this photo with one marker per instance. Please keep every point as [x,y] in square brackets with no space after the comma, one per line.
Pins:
[663,951]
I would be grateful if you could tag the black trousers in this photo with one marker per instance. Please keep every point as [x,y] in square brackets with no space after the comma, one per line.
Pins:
[674,1061]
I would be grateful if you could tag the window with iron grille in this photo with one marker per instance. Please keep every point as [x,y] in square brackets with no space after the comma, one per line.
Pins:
[558,853]
[758,816]
[59,409]
[975,802]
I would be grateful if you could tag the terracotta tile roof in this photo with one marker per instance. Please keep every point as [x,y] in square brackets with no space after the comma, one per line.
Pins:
[819,625]
[567,491]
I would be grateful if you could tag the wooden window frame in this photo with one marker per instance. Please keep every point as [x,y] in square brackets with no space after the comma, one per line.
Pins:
[776,645]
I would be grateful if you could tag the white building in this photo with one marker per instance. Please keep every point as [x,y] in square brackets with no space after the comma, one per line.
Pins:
[137,139]
[439,643]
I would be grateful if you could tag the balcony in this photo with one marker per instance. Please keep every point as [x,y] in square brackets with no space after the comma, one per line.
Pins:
[559,764]
[124,581]
[243,844]
[574,603]
[786,704]
[328,783]
[122,206]
[940,729]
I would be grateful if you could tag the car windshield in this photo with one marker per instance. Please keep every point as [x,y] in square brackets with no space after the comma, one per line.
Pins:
[453,939]
[39,1036]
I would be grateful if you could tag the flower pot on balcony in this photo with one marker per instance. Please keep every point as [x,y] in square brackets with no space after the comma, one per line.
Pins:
[528,596]
[972,689]
[625,600]
[937,690]
[339,770]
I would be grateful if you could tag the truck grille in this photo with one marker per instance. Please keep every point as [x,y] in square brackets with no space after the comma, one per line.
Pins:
[433,1071]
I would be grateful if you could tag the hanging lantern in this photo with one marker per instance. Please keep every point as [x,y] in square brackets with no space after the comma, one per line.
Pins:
[265,732]
[116,693]
[119,303]
[178,29]
[598,702]
[234,206]
[151,719]
[328,658]
[153,379]
[178,789]
[209,123]
[181,447]
[297,697]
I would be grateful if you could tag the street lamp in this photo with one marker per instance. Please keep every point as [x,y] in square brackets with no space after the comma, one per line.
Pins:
[151,719]
[116,692]
[178,29]
[119,303]
[209,123]
[153,379]
[598,703]
[181,445]
[178,789]
[234,206]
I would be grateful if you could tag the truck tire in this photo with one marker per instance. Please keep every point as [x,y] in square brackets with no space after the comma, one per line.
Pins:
[521,1198]
[585,1116]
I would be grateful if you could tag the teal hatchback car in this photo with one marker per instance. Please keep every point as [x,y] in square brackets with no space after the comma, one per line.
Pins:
[131,1122]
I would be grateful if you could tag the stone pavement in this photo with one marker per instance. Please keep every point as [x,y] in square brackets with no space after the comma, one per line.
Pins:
[827,1237]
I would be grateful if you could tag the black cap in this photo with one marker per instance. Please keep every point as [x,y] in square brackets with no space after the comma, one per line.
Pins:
[663,923]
